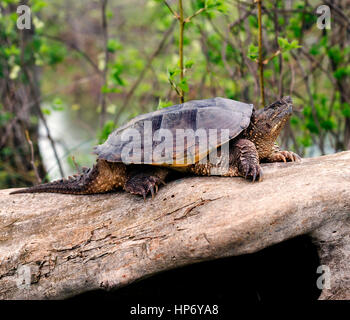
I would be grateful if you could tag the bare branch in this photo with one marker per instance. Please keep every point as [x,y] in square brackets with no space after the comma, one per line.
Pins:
[32,157]
[188,19]
[175,14]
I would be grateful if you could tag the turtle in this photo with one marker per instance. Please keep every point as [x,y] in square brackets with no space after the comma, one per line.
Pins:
[179,140]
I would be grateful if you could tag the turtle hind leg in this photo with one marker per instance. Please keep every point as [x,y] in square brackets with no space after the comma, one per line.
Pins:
[144,180]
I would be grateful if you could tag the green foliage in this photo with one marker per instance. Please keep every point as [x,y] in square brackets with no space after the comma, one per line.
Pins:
[114,45]
[164,104]
[183,85]
[116,72]
[217,5]
[5,116]
[253,52]
[108,127]
[285,45]
[342,72]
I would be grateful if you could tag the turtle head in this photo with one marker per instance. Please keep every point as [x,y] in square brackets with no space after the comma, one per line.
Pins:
[273,117]
[267,123]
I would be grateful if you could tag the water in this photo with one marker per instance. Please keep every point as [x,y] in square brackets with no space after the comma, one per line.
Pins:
[71,140]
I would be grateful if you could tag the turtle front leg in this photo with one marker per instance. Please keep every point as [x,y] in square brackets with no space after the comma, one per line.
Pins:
[245,157]
[243,162]
[278,155]
[144,181]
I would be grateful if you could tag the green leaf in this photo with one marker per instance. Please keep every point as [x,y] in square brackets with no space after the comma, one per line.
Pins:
[113,45]
[217,5]
[46,111]
[183,85]
[109,14]
[164,104]
[306,140]
[106,131]
[342,72]
[189,64]
[106,89]
[328,124]
[294,120]
[253,21]
[335,54]
[283,43]
[253,52]
[38,5]
[57,105]
[172,72]
[286,46]
[315,49]
[345,110]
[310,124]
[116,72]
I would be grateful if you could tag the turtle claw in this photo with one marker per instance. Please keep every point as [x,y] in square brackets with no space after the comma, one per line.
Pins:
[253,171]
[152,191]
[254,174]
[284,156]
[143,185]
[261,175]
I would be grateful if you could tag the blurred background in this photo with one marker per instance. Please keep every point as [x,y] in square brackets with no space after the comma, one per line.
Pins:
[86,66]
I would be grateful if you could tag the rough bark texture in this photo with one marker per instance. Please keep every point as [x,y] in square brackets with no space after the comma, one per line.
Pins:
[55,246]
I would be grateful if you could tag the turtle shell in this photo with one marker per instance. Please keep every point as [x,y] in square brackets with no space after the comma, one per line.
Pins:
[152,138]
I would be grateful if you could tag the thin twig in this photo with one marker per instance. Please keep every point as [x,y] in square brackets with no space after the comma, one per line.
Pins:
[105,67]
[75,48]
[32,156]
[241,19]
[42,118]
[175,14]
[260,63]
[181,49]
[175,87]
[75,164]
[266,61]
[188,19]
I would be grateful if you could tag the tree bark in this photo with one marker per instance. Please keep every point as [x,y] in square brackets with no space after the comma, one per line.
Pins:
[54,246]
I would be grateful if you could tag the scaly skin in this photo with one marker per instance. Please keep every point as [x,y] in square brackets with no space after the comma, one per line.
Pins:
[257,143]
[254,145]
[103,177]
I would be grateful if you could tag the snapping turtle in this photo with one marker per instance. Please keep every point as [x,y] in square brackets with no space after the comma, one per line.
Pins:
[139,156]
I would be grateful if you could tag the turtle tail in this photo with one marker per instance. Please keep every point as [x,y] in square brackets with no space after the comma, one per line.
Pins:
[100,178]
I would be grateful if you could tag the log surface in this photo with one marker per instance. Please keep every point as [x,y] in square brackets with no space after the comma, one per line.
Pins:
[53,246]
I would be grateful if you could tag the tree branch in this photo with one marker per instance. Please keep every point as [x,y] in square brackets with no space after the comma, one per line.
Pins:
[56,246]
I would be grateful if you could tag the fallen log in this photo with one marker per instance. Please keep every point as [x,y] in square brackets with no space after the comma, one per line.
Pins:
[55,246]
